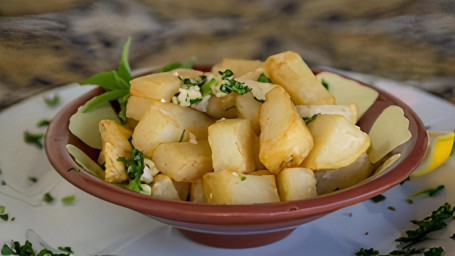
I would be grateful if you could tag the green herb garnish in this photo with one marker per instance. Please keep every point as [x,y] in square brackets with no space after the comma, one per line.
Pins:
[182,136]
[44,123]
[409,201]
[436,251]
[52,101]
[230,84]
[4,216]
[325,84]
[311,118]
[175,65]
[206,88]
[367,252]
[263,78]
[27,250]
[66,249]
[115,82]
[34,139]
[68,199]
[33,179]
[135,168]
[378,198]
[242,178]
[391,208]
[452,236]
[48,198]
[430,191]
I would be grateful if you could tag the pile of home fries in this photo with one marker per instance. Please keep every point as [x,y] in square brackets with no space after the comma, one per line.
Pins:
[247,132]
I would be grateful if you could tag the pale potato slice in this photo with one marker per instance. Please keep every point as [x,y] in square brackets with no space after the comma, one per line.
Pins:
[347,91]
[197,191]
[159,86]
[390,130]
[187,73]
[222,107]
[238,66]
[183,161]
[258,89]
[136,107]
[337,143]
[285,140]
[115,134]
[296,184]
[332,180]
[249,108]
[253,75]
[349,111]
[290,71]
[230,187]
[84,161]
[154,128]
[233,145]
[115,170]
[164,187]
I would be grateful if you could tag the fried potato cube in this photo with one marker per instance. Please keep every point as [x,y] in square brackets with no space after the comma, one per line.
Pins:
[159,86]
[290,71]
[222,107]
[258,89]
[136,107]
[197,191]
[233,145]
[187,73]
[115,134]
[332,180]
[164,187]
[348,111]
[231,187]
[183,161]
[337,143]
[155,127]
[249,108]
[285,140]
[296,183]
[238,66]
[115,170]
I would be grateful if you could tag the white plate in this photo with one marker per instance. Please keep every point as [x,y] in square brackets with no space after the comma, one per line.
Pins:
[92,226]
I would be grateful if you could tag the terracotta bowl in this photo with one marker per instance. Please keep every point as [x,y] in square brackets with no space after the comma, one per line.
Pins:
[236,226]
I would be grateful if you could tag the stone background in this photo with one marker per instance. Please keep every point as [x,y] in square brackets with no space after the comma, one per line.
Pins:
[44,44]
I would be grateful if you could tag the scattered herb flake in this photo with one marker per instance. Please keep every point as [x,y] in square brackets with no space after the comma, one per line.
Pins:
[2,209]
[242,178]
[367,252]
[52,101]
[134,167]
[409,201]
[391,208]
[44,123]
[27,250]
[230,84]
[430,191]
[48,198]
[4,216]
[325,84]
[378,198]
[13,218]
[66,249]
[263,78]
[405,180]
[310,119]
[3,183]
[33,179]
[72,169]
[34,139]
[182,136]
[68,199]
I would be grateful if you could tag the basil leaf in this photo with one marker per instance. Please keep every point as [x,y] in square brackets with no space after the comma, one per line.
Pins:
[107,96]
[109,80]
[124,70]
[175,65]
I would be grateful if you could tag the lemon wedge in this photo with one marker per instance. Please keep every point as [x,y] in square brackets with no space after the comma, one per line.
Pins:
[440,146]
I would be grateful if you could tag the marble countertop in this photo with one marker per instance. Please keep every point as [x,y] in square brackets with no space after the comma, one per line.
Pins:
[45,45]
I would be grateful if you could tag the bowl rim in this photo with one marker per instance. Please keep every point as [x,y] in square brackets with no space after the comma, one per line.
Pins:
[56,139]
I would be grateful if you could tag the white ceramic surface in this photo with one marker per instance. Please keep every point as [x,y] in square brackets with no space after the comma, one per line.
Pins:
[91,226]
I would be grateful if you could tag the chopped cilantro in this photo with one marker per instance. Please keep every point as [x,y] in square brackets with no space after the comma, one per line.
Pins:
[194,101]
[230,84]
[409,201]
[115,82]
[34,139]
[66,249]
[430,191]
[325,84]
[135,168]
[27,250]
[2,209]
[4,216]
[263,78]
[52,101]
[311,118]
[206,88]
[378,198]
[367,252]
[391,208]
[452,236]
[175,65]
[48,198]
[43,123]
[242,178]
[33,179]
[68,199]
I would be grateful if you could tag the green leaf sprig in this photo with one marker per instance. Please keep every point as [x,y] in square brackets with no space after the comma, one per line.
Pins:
[34,139]
[430,191]
[114,82]
[135,168]
[263,78]
[230,84]
[175,65]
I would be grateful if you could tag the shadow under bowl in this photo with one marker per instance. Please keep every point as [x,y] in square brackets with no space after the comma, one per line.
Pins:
[236,226]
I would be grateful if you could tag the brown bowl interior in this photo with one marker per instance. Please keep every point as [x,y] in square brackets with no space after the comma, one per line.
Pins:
[236,219]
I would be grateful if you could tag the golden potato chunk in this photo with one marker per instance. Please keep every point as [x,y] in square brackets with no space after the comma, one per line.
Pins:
[337,143]
[136,107]
[115,170]
[296,183]
[233,145]
[238,66]
[231,187]
[285,140]
[290,71]
[115,134]
[187,73]
[222,107]
[164,187]
[159,86]
[332,180]
[249,108]
[197,192]
[183,161]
